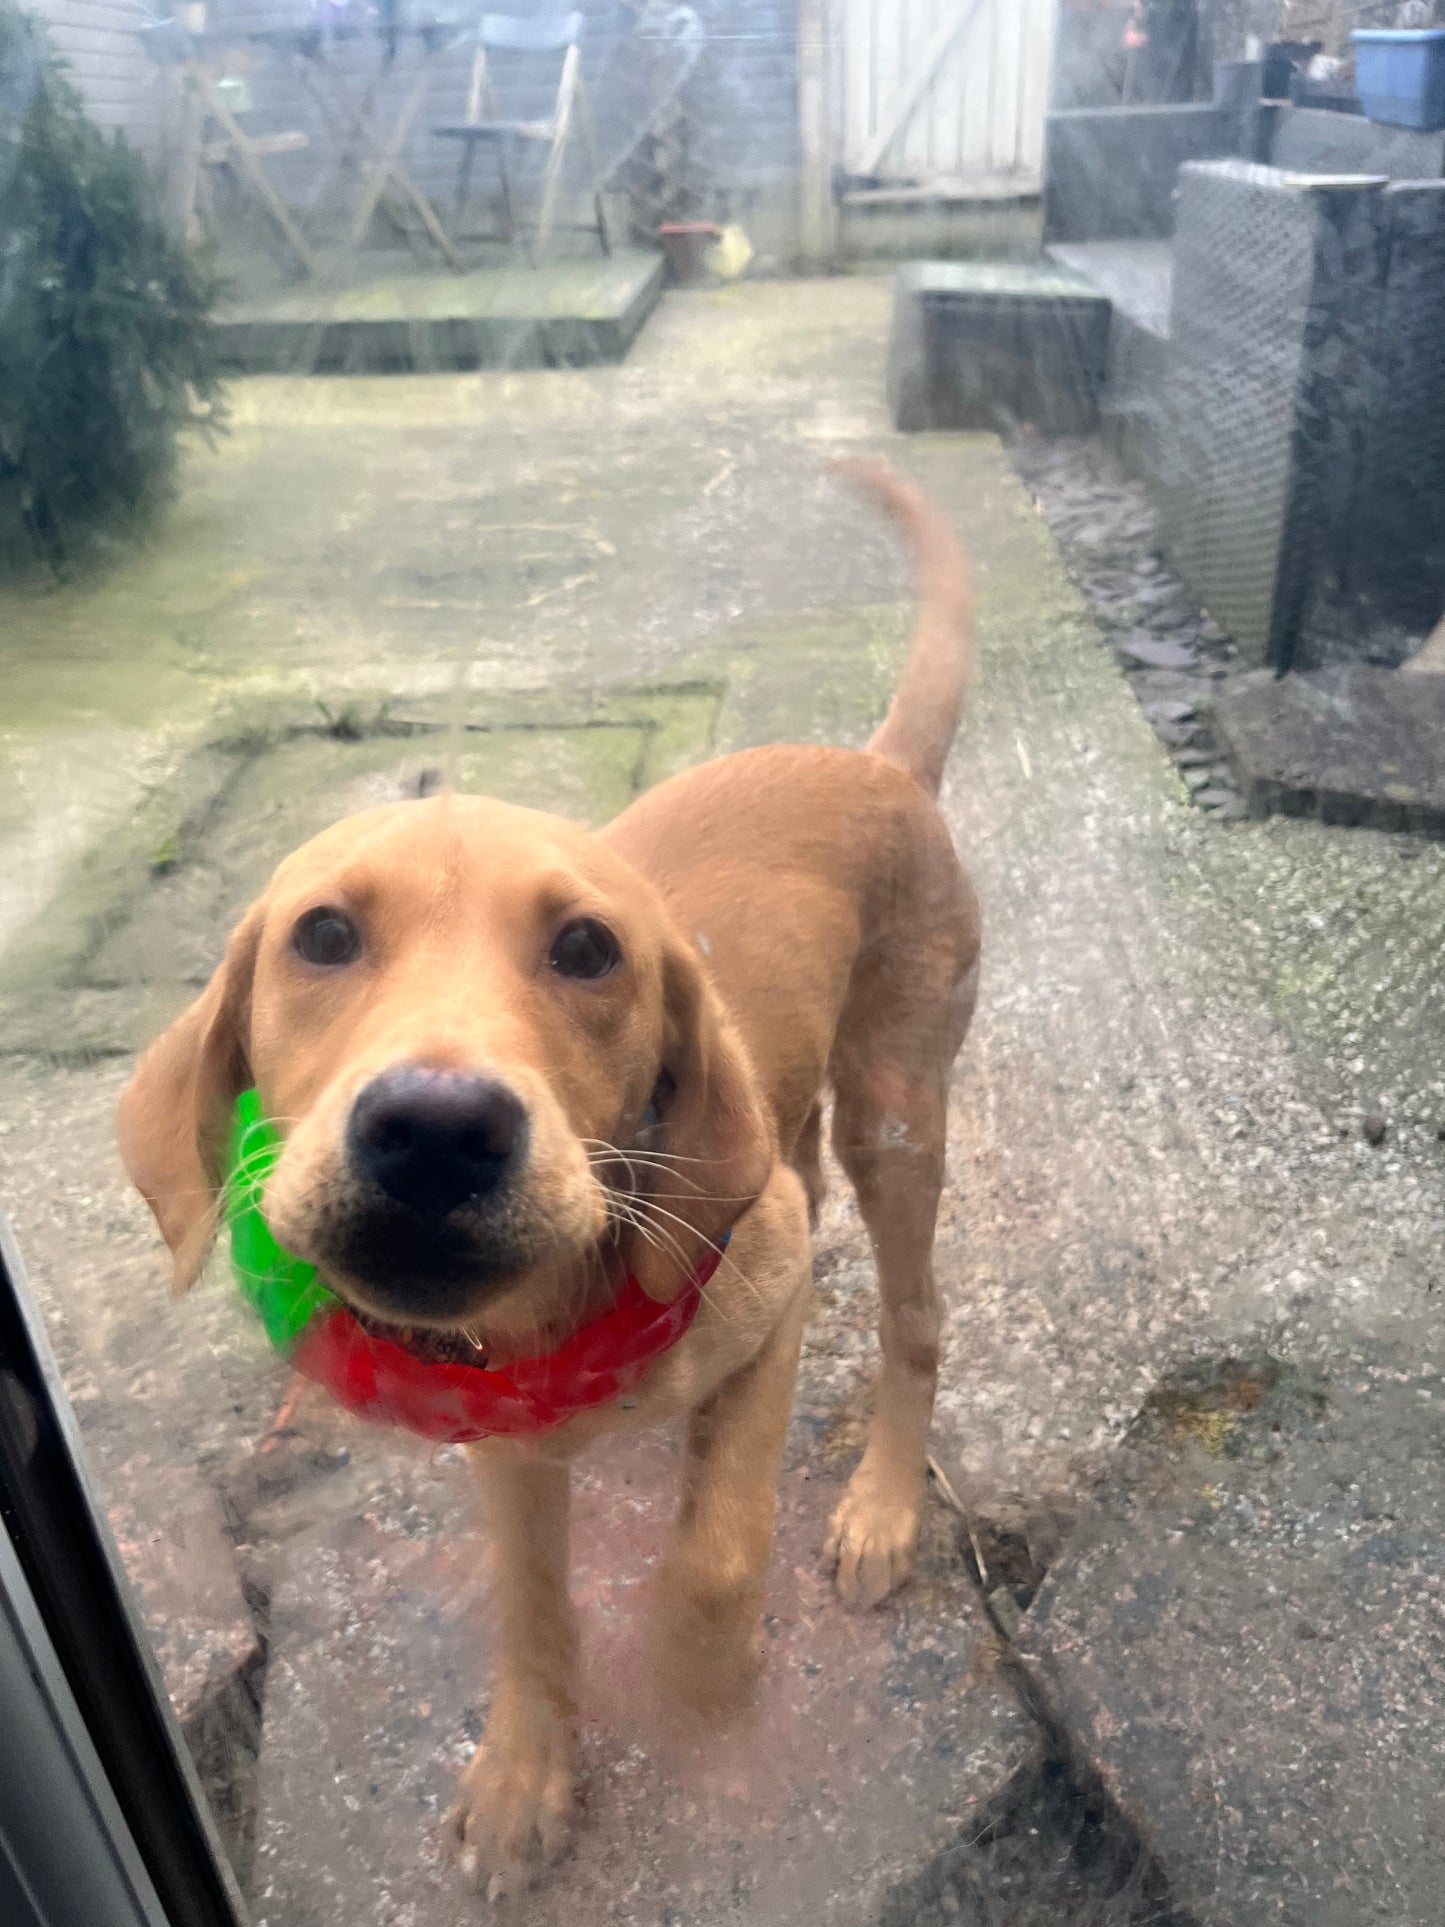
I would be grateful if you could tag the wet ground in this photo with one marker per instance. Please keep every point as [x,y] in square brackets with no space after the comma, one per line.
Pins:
[1159,1151]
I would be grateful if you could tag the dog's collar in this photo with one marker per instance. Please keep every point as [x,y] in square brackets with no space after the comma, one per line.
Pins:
[381,1380]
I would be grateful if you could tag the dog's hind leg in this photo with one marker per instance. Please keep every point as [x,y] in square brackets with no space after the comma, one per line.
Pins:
[889,1125]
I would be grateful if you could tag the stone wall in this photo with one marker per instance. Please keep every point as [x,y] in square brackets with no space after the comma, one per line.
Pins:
[1110,173]
[1303,494]
[1243,273]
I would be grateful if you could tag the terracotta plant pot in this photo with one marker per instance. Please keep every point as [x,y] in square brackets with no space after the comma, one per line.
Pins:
[685,243]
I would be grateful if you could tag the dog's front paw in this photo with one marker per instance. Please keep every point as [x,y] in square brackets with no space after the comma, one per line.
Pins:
[872,1539]
[514,1813]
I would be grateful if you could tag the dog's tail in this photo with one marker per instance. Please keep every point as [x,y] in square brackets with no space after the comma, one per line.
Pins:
[918,730]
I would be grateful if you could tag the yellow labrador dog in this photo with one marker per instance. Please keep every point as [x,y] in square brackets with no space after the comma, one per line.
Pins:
[517,1062]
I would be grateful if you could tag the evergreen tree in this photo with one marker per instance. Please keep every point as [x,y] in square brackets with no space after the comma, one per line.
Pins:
[106,348]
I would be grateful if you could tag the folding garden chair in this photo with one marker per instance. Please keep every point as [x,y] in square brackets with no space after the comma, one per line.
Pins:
[502,34]
[167,43]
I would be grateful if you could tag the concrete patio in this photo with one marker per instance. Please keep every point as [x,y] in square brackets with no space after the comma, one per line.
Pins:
[1157,1154]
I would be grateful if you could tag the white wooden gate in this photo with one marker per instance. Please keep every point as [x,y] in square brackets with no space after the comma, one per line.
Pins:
[946,96]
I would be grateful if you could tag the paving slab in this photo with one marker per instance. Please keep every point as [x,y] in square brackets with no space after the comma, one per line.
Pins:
[1355,745]
[1247,1641]
[377,1693]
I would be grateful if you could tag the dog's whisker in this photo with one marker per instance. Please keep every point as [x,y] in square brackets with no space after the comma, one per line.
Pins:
[621,1204]
[612,1155]
[627,1212]
[673,1157]
[618,1162]
[627,1208]
[675,1246]
[606,1153]
[661,1211]
[708,1197]
[623,1214]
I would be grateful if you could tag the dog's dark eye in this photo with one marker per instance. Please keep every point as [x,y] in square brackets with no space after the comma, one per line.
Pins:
[585,948]
[326,936]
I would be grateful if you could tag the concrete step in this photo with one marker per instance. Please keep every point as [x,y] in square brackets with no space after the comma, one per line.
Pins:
[986,344]
[567,313]
[1137,277]
[1352,745]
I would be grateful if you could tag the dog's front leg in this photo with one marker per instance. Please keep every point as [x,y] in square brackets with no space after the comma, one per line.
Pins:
[515,1809]
[709,1592]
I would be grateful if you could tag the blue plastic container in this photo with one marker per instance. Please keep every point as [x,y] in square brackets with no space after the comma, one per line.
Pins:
[1400,77]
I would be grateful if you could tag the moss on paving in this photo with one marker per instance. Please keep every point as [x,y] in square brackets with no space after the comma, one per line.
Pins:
[138,921]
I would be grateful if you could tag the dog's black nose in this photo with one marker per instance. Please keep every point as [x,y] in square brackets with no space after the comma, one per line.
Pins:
[435,1139]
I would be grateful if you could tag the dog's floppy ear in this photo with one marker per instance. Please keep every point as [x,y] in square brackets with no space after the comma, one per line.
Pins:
[710,1120]
[174,1113]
